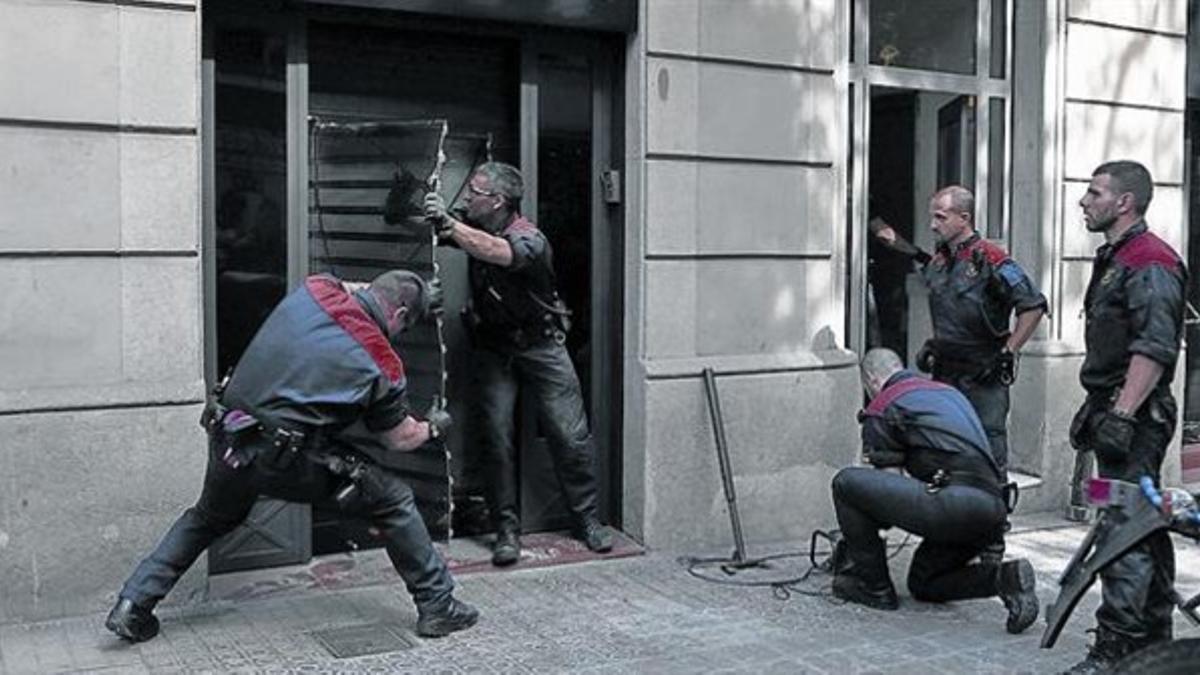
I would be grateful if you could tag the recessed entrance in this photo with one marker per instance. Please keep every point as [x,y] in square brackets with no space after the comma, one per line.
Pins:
[539,98]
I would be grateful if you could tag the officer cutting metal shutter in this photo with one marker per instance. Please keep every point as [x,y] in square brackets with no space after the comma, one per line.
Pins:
[321,363]
[518,325]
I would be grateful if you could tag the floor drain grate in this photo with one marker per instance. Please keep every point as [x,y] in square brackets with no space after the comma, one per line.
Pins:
[351,641]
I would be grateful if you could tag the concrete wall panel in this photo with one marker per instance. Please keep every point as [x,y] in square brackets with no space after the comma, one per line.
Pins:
[60,189]
[60,324]
[738,208]
[789,32]
[122,331]
[1165,217]
[739,111]
[161,311]
[725,307]
[61,60]
[1125,67]
[785,444]
[84,496]
[1075,275]
[1098,133]
[160,192]
[159,67]
[1161,15]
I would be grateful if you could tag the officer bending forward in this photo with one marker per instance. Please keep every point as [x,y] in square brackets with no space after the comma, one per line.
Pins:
[321,362]
[951,498]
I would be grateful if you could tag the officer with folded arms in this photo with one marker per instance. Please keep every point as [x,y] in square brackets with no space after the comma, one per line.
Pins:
[951,497]
[289,424]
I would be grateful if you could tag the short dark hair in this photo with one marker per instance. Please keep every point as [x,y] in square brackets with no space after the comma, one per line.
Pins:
[399,288]
[1130,176]
[505,179]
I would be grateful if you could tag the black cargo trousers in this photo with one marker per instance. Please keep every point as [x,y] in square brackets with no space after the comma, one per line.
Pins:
[1136,604]
[956,522]
[383,499]
[545,371]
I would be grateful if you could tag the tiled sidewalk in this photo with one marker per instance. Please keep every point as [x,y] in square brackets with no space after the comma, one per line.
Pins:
[641,614]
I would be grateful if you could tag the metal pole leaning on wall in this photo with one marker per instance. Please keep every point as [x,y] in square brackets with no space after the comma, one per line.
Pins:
[718,422]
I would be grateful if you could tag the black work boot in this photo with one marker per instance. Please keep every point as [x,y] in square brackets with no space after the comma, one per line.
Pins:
[451,616]
[851,588]
[1017,585]
[507,549]
[1102,655]
[596,536]
[131,622]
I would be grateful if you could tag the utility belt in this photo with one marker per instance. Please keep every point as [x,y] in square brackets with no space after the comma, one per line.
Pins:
[241,438]
[1007,493]
[550,328]
[962,358]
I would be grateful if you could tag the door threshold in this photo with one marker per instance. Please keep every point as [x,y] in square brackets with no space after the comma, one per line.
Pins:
[371,567]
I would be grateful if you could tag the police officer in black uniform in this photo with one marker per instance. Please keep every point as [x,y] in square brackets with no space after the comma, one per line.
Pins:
[952,498]
[1134,308]
[320,372]
[974,289]
[518,327]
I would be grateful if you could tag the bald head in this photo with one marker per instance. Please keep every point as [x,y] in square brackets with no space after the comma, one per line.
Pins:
[878,365]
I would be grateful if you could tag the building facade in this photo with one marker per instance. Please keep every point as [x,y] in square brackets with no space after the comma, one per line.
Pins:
[706,170]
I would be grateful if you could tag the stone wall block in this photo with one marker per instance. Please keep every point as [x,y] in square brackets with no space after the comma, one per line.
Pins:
[160,192]
[122,330]
[61,61]
[1125,67]
[1168,16]
[1098,133]
[740,111]
[738,208]
[784,443]
[60,189]
[787,32]
[84,496]
[726,307]
[159,67]
[60,324]
[161,308]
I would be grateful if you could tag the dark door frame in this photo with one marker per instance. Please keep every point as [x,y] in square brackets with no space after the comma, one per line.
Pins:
[606,275]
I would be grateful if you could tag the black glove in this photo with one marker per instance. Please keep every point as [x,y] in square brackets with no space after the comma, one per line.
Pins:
[1113,437]
[436,214]
[926,359]
[1004,368]
[439,419]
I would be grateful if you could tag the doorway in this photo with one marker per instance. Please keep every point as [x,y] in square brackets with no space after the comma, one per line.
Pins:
[541,99]
[921,141]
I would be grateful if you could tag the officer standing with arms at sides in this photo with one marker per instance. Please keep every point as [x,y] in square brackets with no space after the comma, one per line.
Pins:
[320,365]
[518,327]
[1134,326]
[951,498]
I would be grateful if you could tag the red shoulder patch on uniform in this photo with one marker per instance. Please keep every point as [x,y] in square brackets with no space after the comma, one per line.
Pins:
[890,393]
[1147,249]
[347,313]
[992,252]
[520,224]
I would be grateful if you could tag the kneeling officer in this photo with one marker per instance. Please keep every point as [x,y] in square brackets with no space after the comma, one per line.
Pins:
[951,497]
[321,364]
